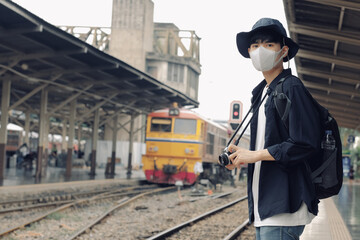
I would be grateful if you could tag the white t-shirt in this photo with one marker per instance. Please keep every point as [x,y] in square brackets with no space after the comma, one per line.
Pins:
[300,217]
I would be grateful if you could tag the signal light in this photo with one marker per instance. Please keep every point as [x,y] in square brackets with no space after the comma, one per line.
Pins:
[235,111]
[235,114]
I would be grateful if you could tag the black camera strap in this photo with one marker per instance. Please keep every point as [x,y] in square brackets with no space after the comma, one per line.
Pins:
[247,114]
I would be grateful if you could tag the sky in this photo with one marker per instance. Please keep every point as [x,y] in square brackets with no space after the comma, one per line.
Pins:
[226,75]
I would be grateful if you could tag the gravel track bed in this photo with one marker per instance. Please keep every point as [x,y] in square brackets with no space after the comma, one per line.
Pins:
[140,219]
[248,233]
[216,226]
[150,215]
[61,225]
[11,219]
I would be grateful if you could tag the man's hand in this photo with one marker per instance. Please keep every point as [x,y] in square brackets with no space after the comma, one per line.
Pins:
[240,155]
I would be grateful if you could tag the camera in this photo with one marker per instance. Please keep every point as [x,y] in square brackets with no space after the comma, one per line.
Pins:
[224,158]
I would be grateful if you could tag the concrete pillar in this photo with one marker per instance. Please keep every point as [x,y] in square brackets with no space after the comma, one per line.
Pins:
[43,115]
[46,146]
[5,101]
[71,137]
[27,129]
[79,139]
[132,30]
[114,140]
[94,142]
[64,142]
[131,140]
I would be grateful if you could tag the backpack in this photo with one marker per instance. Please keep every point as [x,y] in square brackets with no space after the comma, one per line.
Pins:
[328,177]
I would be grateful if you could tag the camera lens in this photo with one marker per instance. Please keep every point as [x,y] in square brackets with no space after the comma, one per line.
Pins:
[224,159]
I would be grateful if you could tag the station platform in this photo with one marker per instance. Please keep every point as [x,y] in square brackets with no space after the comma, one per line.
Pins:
[338,218]
[15,177]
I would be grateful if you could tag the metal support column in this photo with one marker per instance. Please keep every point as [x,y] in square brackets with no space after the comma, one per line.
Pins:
[114,140]
[71,137]
[79,133]
[27,128]
[5,101]
[94,142]
[131,140]
[43,108]
[64,143]
[46,146]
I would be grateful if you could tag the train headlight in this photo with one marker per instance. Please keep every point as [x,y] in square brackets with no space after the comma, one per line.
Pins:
[189,151]
[153,149]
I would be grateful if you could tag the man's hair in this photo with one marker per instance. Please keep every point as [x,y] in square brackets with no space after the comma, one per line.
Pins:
[266,35]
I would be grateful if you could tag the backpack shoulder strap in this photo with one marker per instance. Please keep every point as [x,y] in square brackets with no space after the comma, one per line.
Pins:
[282,102]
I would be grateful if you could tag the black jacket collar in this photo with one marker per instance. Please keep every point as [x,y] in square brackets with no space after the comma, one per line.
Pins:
[273,84]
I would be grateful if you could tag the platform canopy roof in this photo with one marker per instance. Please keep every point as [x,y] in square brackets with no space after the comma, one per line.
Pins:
[36,55]
[328,62]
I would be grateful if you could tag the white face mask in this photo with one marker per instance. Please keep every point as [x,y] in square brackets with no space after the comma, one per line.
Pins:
[264,59]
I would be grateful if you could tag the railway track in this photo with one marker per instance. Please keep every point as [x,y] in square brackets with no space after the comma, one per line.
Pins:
[122,203]
[55,200]
[101,196]
[191,222]
[137,214]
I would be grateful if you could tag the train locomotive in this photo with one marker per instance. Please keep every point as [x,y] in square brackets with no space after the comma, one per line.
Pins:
[183,146]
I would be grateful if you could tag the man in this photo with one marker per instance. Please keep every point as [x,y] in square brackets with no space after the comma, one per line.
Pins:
[280,193]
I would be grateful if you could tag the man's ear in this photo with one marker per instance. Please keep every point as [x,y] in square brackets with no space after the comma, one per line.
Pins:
[285,50]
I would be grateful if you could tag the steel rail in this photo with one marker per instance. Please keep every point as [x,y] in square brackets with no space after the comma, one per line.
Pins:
[74,197]
[170,231]
[122,203]
[234,234]
[40,205]
[7,210]
[42,216]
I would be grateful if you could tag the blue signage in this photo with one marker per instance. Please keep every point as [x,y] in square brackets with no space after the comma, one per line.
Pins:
[346,165]
[351,139]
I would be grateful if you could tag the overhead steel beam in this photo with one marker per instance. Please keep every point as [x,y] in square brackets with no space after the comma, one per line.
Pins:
[72,97]
[67,87]
[349,115]
[335,100]
[40,54]
[339,115]
[97,106]
[339,3]
[346,62]
[343,78]
[33,92]
[71,70]
[109,118]
[350,37]
[342,120]
[336,89]
[20,31]
[338,110]
[27,106]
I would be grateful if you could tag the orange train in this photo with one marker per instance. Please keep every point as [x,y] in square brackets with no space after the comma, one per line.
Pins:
[180,144]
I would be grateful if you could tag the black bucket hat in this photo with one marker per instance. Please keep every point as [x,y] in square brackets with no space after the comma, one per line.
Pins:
[243,38]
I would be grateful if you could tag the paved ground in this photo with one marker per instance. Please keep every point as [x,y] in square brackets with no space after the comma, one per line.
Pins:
[15,176]
[348,204]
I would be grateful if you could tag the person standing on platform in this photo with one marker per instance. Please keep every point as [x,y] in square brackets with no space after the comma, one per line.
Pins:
[351,174]
[281,196]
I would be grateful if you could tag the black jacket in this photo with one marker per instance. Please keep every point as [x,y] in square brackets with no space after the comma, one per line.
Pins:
[285,183]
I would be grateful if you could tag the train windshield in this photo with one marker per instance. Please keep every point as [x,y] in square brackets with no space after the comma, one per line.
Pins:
[185,126]
[161,125]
